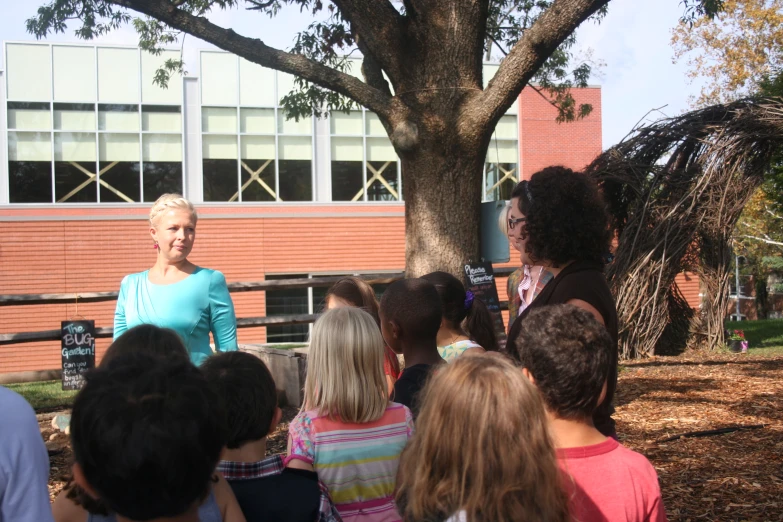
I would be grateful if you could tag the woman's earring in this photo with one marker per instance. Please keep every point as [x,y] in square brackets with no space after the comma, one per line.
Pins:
[156,246]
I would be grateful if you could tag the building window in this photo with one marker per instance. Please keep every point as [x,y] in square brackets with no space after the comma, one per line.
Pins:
[364,164]
[289,301]
[501,170]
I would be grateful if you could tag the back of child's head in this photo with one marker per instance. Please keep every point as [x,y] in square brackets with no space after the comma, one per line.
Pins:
[148,339]
[356,292]
[463,309]
[345,377]
[246,388]
[481,446]
[146,435]
[569,355]
[414,306]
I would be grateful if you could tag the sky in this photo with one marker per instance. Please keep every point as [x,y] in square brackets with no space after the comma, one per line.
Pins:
[633,42]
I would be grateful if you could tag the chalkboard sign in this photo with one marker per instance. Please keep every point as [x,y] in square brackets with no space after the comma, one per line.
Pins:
[78,352]
[481,281]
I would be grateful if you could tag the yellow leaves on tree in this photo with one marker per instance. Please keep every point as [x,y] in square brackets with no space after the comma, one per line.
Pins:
[734,51]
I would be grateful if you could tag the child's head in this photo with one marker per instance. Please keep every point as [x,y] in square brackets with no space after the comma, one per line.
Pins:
[353,291]
[148,339]
[146,435]
[569,355]
[410,312]
[483,421]
[463,310]
[345,377]
[246,388]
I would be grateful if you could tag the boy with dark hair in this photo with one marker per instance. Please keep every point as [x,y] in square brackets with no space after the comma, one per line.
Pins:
[146,435]
[265,489]
[410,319]
[568,355]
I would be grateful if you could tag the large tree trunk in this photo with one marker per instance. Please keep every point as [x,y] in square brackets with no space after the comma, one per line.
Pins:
[442,192]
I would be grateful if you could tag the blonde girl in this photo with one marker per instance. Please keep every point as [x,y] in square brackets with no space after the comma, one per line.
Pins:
[348,431]
[481,452]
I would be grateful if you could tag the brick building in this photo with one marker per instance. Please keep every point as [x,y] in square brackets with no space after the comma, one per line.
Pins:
[87,142]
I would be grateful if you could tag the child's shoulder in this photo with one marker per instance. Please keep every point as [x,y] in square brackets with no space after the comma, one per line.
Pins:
[636,463]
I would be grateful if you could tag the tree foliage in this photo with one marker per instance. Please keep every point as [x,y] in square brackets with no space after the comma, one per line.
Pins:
[735,51]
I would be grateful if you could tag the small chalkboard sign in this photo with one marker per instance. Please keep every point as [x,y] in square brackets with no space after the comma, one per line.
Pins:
[78,352]
[481,281]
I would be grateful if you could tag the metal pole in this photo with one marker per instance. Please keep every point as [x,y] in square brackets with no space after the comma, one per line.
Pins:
[737,282]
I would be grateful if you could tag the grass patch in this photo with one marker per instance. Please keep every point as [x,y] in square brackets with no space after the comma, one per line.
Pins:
[44,395]
[765,337]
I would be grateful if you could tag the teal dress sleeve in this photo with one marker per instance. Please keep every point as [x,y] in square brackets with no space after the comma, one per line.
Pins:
[120,324]
[222,320]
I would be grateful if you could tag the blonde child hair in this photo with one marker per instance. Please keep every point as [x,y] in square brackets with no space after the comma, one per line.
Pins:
[481,447]
[169,202]
[503,219]
[345,377]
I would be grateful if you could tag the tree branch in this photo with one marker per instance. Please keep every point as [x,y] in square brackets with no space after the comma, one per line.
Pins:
[530,53]
[767,241]
[371,69]
[256,51]
[380,26]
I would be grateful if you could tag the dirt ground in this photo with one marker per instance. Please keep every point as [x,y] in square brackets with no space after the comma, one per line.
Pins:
[730,477]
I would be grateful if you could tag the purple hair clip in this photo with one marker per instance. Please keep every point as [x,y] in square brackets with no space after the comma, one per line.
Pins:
[468,299]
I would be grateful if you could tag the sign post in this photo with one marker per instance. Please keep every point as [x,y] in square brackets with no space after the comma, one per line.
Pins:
[78,352]
[481,281]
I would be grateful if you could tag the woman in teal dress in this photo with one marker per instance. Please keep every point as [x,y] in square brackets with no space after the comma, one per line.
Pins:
[174,293]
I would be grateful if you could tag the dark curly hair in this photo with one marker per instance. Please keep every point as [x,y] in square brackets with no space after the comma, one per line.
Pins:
[566,216]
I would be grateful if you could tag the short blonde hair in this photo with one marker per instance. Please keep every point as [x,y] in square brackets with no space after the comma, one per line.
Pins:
[481,446]
[168,202]
[345,377]
[503,218]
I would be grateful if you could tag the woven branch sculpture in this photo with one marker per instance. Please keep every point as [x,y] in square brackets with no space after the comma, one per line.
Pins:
[675,190]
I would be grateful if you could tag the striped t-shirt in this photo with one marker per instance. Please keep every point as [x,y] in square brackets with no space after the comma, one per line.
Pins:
[357,462]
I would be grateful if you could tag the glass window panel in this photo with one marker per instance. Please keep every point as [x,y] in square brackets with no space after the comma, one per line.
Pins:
[120,181]
[502,151]
[74,147]
[380,149]
[220,179]
[489,72]
[29,72]
[285,84]
[219,76]
[29,116]
[296,180]
[161,177]
[161,118]
[258,180]
[29,146]
[161,148]
[256,85]
[384,186]
[219,119]
[119,147]
[30,181]
[303,126]
[216,146]
[374,127]
[347,180]
[150,91]
[75,182]
[347,149]
[257,121]
[118,75]
[506,128]
[74,116]
[500,181]
[290,301]
[295,148]
[258,147]
[350,124]
[123,118]
[74,73]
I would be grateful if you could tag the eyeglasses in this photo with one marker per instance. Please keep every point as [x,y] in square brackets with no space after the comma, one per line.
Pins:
[513,222]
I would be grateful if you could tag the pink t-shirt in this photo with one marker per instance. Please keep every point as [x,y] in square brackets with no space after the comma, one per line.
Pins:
[610,483]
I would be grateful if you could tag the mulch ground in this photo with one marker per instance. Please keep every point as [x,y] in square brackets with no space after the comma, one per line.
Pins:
[731,477]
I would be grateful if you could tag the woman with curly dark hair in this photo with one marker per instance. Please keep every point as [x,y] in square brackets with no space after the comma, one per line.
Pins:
[558,220]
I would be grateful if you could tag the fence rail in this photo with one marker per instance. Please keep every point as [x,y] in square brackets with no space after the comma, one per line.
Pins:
[244,322]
